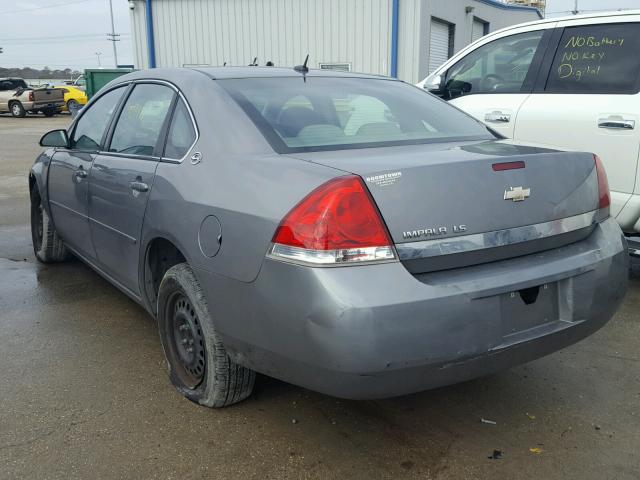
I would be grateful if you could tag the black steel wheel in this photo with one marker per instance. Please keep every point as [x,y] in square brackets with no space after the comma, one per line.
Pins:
[186,341]
[197,360]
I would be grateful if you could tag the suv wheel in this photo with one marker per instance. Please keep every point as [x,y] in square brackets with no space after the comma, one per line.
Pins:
[17,110]
[197,361]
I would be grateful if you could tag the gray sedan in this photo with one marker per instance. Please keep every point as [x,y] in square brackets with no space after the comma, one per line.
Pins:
[347,233]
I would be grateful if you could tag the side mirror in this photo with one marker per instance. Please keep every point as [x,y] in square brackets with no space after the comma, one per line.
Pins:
[433,84]
[55,138]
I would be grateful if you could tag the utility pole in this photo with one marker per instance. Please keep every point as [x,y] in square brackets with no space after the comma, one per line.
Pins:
[575,7]
[113,36]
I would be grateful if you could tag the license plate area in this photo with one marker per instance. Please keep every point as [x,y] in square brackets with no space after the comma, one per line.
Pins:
[528,308]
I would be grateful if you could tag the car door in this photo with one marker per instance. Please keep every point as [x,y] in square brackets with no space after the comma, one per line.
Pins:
[588,99]
[69,171]
[492,81]
[5,92]
[122,178]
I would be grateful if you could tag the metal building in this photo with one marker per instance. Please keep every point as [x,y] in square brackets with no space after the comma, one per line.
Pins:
[403,38]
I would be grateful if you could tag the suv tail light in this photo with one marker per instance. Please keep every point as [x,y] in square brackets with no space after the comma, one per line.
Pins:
[31,97]
[336,224]
[604,196]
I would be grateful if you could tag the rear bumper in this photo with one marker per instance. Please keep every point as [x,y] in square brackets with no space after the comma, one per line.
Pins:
[378,331]
[41,105]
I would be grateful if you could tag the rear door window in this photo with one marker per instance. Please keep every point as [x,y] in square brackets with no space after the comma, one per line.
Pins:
[501,66]
[597,59]
[141,120]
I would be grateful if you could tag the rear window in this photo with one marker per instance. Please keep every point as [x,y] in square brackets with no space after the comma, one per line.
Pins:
[597,59]
[324,113]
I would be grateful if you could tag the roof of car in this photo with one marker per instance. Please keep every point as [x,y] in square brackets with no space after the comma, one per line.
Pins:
[220,73]
[584,16]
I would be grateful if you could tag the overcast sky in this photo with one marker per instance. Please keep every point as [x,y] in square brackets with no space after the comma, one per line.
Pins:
[62,33]
[68,33]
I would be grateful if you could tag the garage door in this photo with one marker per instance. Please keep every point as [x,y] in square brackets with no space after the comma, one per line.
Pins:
[477,30]
[439,42]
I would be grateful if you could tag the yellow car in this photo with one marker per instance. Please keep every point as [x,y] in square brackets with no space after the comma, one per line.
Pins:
[73,97]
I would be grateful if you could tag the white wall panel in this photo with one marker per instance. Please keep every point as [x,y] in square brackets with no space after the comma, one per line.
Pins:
[211,32]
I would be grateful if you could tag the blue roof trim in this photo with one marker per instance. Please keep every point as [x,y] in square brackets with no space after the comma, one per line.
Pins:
[510,6]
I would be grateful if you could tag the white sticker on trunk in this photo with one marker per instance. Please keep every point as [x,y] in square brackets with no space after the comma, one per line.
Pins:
[384,179]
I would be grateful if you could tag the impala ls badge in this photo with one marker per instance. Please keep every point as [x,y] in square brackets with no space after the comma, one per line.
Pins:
[517,194]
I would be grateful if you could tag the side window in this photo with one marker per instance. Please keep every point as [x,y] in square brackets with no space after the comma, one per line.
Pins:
[181,133]
[140,123]
[91,126]
[500,66]
[597,59]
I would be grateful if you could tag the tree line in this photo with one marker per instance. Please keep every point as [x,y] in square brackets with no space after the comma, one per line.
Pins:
[44,74]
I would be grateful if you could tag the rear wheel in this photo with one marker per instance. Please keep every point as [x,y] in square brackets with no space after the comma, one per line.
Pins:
[49,112]
[47,245]
[198,363]
[72,105]
[17,110]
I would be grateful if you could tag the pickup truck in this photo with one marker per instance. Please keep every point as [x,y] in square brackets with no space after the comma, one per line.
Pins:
[18,98]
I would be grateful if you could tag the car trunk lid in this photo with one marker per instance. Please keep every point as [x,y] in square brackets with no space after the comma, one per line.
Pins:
[451,205]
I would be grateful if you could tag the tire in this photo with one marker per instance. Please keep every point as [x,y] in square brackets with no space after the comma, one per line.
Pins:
[204,374]
[17,110]
[49,112]
[47,244]
[71,104]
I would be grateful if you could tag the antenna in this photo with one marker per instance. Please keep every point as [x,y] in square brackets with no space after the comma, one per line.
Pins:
[302,68]
[254,63]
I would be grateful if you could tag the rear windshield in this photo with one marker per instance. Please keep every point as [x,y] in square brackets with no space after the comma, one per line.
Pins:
[325,113]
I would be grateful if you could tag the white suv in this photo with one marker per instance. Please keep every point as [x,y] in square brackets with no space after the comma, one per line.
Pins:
[570,83]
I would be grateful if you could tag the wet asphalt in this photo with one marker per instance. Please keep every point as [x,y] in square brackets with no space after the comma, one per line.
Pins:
[84,392]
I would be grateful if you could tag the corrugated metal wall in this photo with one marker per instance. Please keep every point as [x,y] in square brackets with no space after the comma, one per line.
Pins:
[211,32]
[410,15]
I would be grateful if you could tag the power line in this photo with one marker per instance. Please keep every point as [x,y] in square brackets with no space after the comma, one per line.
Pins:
[42,7]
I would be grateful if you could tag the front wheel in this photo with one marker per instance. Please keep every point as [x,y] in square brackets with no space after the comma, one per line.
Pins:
[47,244]
[198,363]
[49,112]
[72,105]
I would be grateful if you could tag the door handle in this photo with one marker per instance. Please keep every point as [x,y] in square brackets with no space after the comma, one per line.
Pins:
[497,117]
[80,173]
[616,123]
[138,186]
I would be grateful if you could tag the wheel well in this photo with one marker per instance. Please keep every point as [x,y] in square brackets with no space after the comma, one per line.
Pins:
[161,256]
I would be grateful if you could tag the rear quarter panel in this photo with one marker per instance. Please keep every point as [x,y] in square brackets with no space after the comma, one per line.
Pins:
[240,180]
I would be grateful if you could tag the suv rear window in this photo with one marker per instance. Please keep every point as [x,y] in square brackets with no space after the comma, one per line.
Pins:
[328,113]
[597,59]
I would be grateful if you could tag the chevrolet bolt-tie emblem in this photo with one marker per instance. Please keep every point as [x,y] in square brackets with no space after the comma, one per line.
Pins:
[517,194]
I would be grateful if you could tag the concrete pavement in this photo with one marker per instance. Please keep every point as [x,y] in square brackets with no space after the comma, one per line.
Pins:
[84,392]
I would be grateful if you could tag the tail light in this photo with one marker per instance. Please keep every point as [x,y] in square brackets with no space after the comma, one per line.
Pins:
[31,97]
[336,224]
[604,196]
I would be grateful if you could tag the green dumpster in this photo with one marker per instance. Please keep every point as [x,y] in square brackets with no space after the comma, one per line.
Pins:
[97,78]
